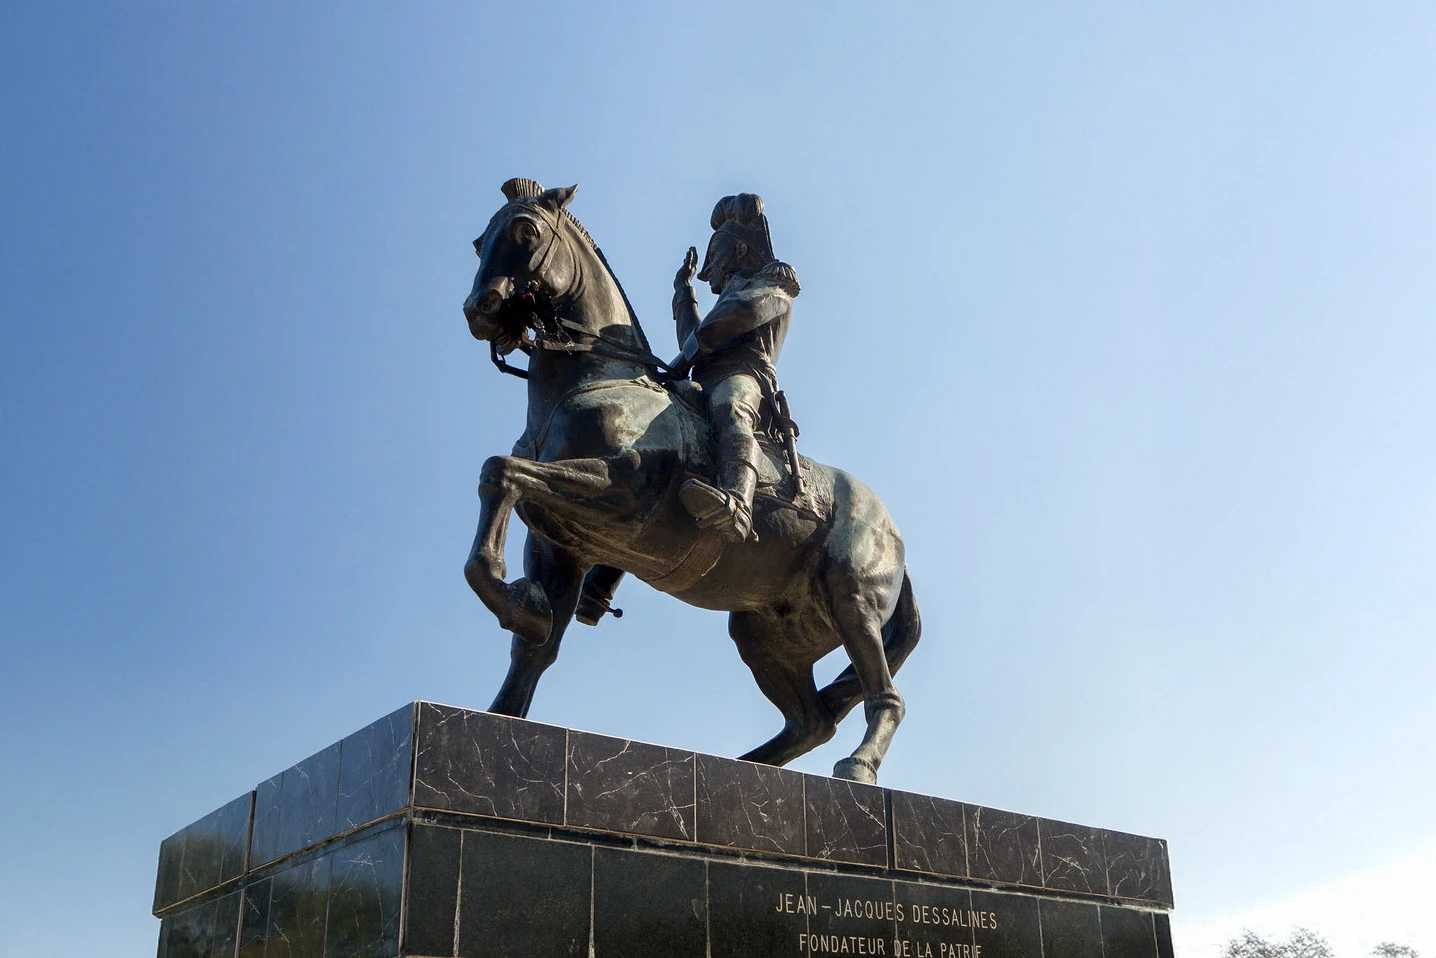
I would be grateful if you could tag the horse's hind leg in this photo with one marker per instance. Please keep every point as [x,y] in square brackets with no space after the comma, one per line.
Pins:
[559,574]
[861,599]
[788,684]
[900,637]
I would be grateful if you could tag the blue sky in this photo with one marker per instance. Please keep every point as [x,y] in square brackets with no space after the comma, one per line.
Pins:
[1124,309]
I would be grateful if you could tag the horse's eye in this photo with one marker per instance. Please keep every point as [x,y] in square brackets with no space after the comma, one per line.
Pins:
[524,231]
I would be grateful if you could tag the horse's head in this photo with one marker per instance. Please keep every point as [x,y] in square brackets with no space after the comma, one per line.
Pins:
[526,249]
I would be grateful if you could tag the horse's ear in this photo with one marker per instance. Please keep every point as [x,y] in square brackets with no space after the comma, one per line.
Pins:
[558,197]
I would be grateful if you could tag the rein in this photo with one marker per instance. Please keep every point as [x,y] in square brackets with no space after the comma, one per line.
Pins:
[551,331]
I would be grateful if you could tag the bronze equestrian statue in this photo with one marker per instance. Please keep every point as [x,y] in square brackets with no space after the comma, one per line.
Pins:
[618,468]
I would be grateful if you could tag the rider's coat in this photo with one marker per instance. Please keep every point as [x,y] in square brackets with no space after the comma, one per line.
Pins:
[746,327]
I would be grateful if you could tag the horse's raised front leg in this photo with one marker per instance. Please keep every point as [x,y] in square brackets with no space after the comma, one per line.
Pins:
[580,490]
[559,575]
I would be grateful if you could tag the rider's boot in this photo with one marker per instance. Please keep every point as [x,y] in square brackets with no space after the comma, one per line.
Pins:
[728,507]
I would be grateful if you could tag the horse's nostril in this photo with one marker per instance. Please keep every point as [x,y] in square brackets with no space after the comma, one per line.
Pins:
[490,302]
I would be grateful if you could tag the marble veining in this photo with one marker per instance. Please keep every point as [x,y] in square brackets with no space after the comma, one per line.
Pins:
[1137,867]
[254,919]
[631,787]
[743,805]
[1072,858]
[167,878]
[490,765]
[200,860]
[264,835]
[233,833]
[298,902]
[1003,846]
[929,834]
[846,821]
[374,770]
[343,898]
[366,886]
[308,796]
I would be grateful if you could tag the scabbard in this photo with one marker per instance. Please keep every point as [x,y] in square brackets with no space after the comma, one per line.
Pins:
[790,439]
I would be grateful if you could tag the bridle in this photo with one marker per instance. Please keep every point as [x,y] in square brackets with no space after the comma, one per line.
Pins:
[551,331]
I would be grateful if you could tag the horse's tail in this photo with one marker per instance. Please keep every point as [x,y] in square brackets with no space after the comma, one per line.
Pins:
[900,636]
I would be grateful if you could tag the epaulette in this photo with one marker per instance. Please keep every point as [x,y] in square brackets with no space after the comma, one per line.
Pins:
[783,275]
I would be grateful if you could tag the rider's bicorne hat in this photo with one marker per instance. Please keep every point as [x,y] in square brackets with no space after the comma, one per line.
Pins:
[741,217]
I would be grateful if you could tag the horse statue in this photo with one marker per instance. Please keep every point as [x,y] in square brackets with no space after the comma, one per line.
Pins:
[609,441]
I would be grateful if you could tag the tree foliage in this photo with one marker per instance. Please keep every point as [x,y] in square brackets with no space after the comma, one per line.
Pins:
[1389,949]
[1301,943]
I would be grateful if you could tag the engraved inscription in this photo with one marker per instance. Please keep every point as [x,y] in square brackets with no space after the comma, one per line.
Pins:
[909,919]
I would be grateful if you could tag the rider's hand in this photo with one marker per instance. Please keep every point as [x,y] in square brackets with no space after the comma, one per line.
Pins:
[686,272]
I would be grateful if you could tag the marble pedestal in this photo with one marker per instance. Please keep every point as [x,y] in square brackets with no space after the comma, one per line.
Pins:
[439,831]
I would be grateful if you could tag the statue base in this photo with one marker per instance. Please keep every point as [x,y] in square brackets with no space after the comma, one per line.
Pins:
[440,831]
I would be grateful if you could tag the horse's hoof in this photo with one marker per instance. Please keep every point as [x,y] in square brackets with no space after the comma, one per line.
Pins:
[856,769]
[528,615]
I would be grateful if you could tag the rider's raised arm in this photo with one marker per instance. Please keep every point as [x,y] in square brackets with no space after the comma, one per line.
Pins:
[686,317]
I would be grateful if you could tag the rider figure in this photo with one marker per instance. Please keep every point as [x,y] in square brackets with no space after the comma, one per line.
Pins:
[732,352]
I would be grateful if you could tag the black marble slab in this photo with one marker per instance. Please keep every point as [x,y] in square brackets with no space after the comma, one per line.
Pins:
[649,905]
[846,821]
[254,919]
[1003,847]
[753,910]
[489,765]
[855,914]
[935,920]
[167,878]
[264,834]
[929,834]
[375,770]
[1011,927]
[298,902]
[1164,935]
[204,854]
[1137,867]
[1128,934]
[366,886]
[308,800]
[1070,929]
[1072,857]
[742,805]
[523,896]
[202,930]
[442,831]
[630,787]
[433,906]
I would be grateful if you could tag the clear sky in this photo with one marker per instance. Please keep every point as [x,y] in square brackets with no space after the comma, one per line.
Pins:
[1125,309]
